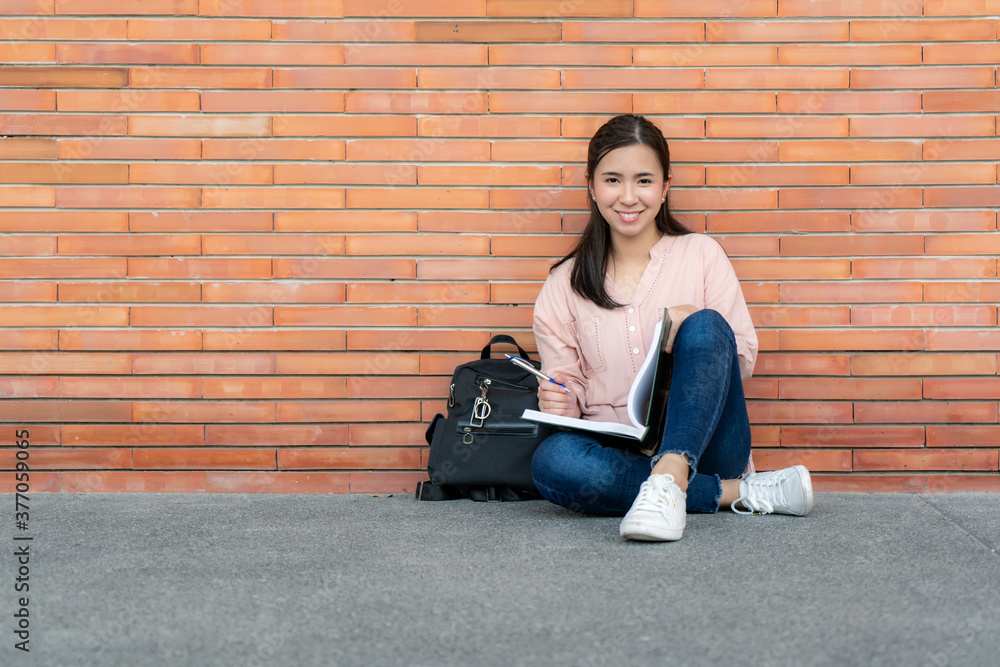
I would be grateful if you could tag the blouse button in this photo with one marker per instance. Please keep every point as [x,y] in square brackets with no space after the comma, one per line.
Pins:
[631,310]
[631,328]
[635,350]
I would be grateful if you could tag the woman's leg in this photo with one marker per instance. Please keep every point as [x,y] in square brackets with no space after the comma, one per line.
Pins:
[575,471]
[707,418]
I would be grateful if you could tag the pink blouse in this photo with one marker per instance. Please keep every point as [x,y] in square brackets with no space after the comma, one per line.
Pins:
[600,351]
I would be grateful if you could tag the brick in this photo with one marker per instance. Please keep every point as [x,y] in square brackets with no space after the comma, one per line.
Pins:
[70,459]
[382,435]
[129,101]
[202,411]
[200,125]
[961,54]
[961,292]
[925,412]
[64,77]
[848,102]
[798,412]
[422,292]
[708,8]
[272,292]
[345,315]
[495,316]
[273,149]
[777,78]
[30,339]
[201,316]
[963,340]
[252,388]
[19,148]
[796,55]
[345,174]
[27,196]
[304,339]
[482,78]
[344,126]
[62,29]
[922,30]
[200,77]
[62,363]
[953,483]
[131,339]
[960,7]
[42,172]
[777,221]
[529,151]
[131,435]
[66,316]
[64,411]
[696,102]
[272,54]
[343,268]
[922,459]
[29,291]
[127,7]
[921,364]
[780,269]
[29,387]
[347,458]
[416,102]
[774,31]
[87,53]
[922,126]
[130,244]
[271,101]
[929,316]
[27,52]
[28,7]
[489,126]
[182,173]
[416,340]
[850,340]
[304,363]
[880,483]
[963,197]
[956,149]
[201,458]
[220,481]
[133,482]
[130,387]
[633,33]
[818,461]
[852,198]
[344,221]
[419,8]
[704,55]
[923,267]
[800,316]
[951,173]
[196,363]
[61,124]
[762,388]
[483,269]
[181,29]
[852,436]
[128,148]
[762,174]
[862,389]
[273,244]
[853,151]
[275,435]
[556,102]
[345,78]
[62,267]
[488,175]
[27,245]
[962,388]
[416,55]
[760,292]
[850,8]
[417,198]
[347,411]
[923,221]
[341,31]
[486,32]
[489,221]
[960,101]
[201,221]
[962,436]
[272,197]
[922,78]
[538,246]
[28,100]
[295,8]
[385,482]
[557,8]
[127,197]
[853,245]
[422,245]
[197,268]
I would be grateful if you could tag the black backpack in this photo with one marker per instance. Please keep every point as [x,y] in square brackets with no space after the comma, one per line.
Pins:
[482,449]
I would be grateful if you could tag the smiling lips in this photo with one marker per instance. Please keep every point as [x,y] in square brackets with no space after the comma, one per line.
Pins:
[630,216]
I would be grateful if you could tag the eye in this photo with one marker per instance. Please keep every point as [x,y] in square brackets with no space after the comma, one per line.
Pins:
[645,181]
[610,179]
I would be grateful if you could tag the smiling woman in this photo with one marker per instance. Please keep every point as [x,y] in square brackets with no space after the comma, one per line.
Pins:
[594,321]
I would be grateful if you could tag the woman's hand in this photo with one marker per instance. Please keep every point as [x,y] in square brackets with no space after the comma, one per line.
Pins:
[677,316]
[553,400]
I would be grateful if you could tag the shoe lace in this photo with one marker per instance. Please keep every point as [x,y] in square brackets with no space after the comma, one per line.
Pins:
[655,485]
[762,493]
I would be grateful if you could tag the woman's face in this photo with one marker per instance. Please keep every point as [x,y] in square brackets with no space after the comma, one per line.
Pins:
[629,187]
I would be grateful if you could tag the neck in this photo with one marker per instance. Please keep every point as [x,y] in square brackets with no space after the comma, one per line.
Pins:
[634,249]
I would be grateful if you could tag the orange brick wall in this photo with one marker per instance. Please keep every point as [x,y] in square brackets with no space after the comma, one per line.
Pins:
[243,243]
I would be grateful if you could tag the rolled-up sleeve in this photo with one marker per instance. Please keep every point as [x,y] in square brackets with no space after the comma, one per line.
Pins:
[554,329]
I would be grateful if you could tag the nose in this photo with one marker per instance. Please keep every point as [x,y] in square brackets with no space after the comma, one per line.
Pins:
[628,196]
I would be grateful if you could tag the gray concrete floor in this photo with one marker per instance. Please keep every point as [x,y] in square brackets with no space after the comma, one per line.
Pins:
[198,579]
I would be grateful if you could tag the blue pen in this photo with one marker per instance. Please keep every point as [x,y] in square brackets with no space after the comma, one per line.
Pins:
[521,363]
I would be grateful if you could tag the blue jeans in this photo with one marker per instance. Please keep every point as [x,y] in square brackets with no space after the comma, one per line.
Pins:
[706,420]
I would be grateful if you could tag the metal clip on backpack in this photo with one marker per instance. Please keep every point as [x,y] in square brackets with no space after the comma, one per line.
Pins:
[482,449]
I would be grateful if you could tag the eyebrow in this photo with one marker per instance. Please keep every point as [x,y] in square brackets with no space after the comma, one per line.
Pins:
[615,173]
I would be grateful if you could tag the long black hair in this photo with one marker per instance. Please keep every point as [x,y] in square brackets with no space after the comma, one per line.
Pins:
[594,247]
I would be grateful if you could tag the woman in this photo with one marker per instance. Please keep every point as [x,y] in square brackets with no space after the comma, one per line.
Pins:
[593,323]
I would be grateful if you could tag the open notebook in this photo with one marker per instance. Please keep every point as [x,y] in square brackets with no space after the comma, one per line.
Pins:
[647,398]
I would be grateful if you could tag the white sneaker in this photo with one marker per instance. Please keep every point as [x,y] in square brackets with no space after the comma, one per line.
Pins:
[787,491]
[658,513]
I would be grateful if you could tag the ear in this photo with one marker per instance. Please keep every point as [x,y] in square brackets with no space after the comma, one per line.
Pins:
[666,184]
